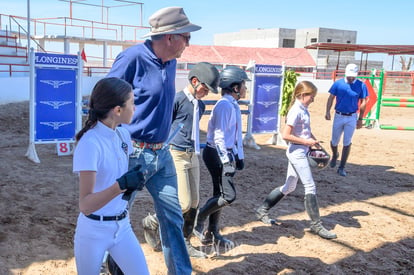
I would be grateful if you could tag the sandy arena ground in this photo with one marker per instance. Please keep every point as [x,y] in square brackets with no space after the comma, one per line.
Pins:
[371,210]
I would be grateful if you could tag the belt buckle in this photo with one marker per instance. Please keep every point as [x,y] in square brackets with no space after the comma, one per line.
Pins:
[146,145]
[121,216]
[156,146]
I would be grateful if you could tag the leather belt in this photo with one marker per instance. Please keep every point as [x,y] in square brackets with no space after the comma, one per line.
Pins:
[145,145]
[108,218]
[344,114]
[182,149]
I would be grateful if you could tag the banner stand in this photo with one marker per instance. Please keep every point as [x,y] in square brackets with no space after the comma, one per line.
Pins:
[266,100]
[31,153]
[55,100]
[248,139]
[276,139]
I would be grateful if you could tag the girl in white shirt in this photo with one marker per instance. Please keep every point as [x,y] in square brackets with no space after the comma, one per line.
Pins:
[299,135]
[101,160]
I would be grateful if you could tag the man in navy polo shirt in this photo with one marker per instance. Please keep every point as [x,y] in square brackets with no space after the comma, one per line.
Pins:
[349,92]
[150,68]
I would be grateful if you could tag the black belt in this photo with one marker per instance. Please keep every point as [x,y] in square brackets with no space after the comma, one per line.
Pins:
[108,218]
[211,146]
[344,114]
[182,149]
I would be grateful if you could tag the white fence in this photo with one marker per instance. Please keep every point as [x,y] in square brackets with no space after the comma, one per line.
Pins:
[16,89]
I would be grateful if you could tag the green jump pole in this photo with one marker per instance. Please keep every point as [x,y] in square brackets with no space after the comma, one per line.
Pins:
[398,99]
[379,99]
[391,127]
[397,105]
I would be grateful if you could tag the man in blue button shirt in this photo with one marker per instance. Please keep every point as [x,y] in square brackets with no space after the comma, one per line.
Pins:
[150,68]
[349,92]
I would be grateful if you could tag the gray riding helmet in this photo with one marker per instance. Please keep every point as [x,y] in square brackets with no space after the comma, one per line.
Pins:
[206,74]
[232,75]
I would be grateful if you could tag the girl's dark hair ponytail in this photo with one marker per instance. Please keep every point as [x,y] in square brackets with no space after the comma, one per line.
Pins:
[107,94]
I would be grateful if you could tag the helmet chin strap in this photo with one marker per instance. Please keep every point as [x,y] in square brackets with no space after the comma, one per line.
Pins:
[195,87]
[237,93]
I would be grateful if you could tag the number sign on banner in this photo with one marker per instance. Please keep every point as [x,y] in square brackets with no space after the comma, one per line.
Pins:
[63,148]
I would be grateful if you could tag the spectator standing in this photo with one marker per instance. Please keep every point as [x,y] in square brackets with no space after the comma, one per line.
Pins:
[350,94]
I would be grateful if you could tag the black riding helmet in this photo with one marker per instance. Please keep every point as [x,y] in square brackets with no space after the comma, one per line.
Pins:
[207,74]
[232,75]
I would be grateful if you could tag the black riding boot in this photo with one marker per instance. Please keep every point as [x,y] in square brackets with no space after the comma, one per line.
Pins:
[213,235]
[334,155]
[312,208]
[211,206]
[344,157]
[189,220]
[262,213]
[113,267]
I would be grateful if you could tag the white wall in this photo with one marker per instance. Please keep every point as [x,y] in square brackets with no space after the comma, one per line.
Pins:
[16,89]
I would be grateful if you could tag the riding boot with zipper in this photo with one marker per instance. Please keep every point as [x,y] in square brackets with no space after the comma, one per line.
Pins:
[312,208]
[262,213]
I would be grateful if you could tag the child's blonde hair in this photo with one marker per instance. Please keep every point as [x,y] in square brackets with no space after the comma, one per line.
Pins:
[303,88]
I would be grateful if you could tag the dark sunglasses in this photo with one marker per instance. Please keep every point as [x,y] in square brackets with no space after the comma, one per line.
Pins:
[186,37]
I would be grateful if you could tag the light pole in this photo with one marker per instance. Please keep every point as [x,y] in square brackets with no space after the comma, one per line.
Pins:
[28,27]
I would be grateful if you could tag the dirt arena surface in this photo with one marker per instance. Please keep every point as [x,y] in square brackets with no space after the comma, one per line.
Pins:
[371,210]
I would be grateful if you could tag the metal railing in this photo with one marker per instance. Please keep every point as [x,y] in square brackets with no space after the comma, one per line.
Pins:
[21,32]
[82,28]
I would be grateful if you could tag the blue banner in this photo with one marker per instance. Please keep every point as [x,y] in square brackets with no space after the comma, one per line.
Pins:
[55,108]
[266,96]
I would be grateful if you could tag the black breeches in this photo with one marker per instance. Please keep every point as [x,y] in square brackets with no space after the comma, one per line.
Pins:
[223,186]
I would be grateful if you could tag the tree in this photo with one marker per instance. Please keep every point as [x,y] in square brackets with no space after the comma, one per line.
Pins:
[405,66]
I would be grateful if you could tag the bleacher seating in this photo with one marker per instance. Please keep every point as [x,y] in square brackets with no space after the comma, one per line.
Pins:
[13,56]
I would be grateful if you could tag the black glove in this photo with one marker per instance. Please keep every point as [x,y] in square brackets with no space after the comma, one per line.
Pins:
[132,180]
[239,163]
[230,156]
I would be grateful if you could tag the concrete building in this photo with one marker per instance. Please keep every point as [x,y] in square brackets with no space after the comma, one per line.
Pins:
[325,60]
[258,38]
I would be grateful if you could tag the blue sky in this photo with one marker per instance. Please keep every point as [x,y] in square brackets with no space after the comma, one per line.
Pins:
[376,22]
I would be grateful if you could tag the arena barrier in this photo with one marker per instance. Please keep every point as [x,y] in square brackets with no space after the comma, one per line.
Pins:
[397,105]
[241,102]
[393,102]
[262,108]
[398,99]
